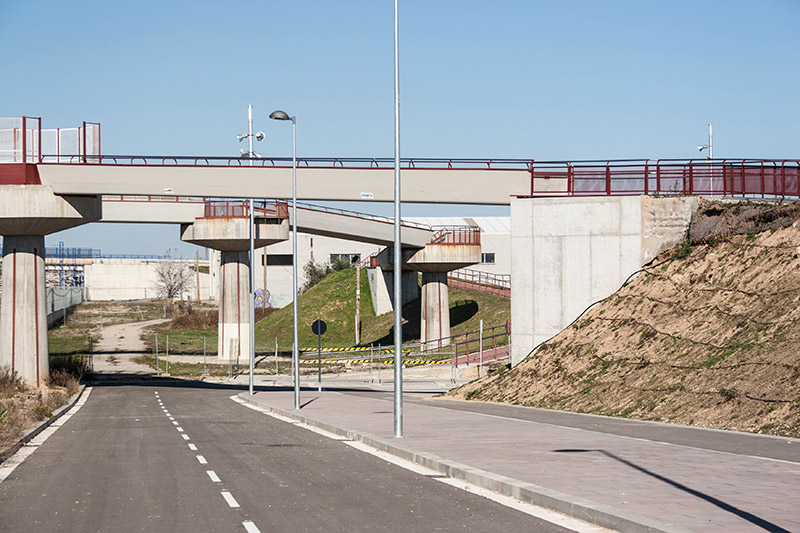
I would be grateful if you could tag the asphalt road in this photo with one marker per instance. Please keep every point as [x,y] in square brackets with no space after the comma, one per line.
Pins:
[184,457]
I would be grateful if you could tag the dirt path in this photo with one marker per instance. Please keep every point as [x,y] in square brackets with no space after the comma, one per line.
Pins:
[118,345]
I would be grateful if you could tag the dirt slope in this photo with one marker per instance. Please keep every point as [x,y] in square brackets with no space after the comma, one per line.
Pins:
[709,335]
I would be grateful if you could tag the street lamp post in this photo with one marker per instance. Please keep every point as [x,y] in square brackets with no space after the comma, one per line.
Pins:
[282,115]
[250,154]
[709,146]
[398,298]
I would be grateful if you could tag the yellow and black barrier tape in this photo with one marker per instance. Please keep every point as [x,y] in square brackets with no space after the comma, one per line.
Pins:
[409,362]
[351,349]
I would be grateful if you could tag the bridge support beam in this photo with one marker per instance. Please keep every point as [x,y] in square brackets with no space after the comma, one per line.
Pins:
[27,214]
[435,261]
[23,317]
[230,235]
[234,306]
[435,310]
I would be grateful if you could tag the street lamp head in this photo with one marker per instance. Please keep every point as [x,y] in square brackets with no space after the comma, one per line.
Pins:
[700,148]
[260,136]
[280,115]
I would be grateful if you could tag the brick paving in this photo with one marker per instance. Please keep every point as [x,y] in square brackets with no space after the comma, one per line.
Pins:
[697,489]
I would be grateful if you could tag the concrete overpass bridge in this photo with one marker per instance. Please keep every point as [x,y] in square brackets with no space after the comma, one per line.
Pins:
[610,215]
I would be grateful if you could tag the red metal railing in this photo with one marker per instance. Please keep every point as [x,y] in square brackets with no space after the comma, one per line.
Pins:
[747,178]
[466,278]
[241,209]
[495,344]
[456,235]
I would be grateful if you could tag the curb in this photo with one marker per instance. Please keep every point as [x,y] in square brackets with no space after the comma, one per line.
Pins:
[31,433]
[574,506]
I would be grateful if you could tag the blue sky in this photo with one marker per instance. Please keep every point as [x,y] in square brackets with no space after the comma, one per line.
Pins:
[519,79]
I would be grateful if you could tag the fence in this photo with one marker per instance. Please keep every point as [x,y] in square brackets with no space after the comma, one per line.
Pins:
[466,278]
[60,299]
[22,140]
[456,235]
[241,209]
[757,178]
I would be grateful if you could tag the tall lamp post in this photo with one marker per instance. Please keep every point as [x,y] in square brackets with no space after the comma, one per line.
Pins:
[282,115]
[398,298]
[250,154]
[709,146]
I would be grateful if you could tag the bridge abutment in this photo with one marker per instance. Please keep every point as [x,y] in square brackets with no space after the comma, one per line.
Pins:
[567,253]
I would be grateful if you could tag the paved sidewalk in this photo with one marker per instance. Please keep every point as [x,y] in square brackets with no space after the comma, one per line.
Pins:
[617,481]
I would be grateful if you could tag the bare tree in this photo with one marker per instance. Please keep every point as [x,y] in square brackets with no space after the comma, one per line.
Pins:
[173,277]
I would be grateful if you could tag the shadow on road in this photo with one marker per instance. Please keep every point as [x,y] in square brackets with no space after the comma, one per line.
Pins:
[753,519]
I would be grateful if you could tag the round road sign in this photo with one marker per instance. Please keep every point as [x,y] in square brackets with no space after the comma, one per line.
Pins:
[319,327]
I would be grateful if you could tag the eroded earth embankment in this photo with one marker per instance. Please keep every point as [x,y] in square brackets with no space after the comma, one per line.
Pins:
[707,335]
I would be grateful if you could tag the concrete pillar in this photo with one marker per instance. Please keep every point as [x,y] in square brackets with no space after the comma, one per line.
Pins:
[23,317]
[230,237]
[234,311]
[27,213]
[435,320]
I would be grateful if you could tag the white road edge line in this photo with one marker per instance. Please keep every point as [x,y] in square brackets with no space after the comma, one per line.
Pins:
[230,499]
[250,527]
[547,515]
[214,477]
[18,458]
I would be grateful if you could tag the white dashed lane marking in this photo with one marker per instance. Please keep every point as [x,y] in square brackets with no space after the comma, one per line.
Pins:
[230,499]
[250,527]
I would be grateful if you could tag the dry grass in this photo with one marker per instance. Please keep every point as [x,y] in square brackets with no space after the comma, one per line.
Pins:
[22,407]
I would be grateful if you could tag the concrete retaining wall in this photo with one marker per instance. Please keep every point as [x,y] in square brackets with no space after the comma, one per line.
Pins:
[129,279]
[570,252]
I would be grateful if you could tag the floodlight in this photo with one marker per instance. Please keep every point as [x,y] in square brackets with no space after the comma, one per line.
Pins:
[260,136]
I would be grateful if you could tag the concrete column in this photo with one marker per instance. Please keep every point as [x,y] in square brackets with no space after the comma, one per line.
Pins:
[23,317]
[409,285]
[435,323]
[230,237]
[234,311]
